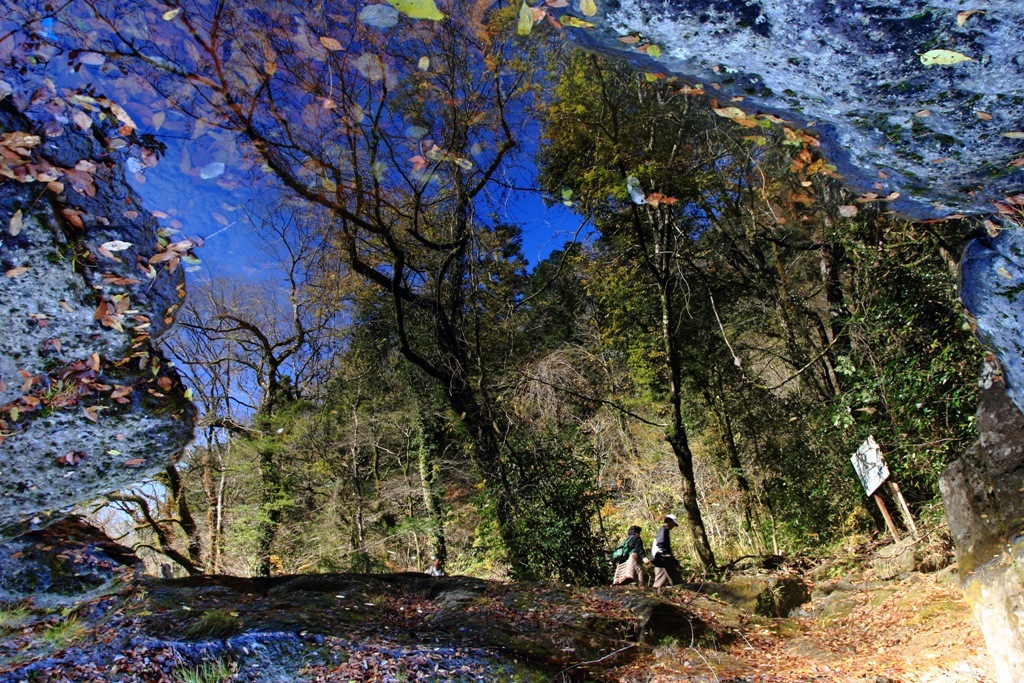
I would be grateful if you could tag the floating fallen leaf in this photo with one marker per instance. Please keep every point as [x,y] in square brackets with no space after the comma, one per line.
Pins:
[379,16]
[962,17]
[730,112]
[575,22]
[71,458]
[330,43]
[1004,273]
[525,24]
[983,115]
[629,40]
[17,271]
[418,9]
[654,51]
[116,245]
[1014,135]
[134,462]
[212,170]
[16,224]
[170,14]
[943,58]
[588,7]
[370,66]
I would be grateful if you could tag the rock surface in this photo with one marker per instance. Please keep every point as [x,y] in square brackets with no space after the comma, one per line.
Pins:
[853,72]
[87,403]
[982,494]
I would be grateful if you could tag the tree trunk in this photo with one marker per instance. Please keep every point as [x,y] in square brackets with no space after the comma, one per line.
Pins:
[270,511]
[430,470]
[676,432]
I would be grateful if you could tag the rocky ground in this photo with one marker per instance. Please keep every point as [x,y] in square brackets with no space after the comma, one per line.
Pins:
[875,617]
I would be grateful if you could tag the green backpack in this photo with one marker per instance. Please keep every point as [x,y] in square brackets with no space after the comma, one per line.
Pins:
[621,553]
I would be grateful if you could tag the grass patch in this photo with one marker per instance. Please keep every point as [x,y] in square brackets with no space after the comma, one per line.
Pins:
[217,671]
[214,623]
[64,633]
[13,617]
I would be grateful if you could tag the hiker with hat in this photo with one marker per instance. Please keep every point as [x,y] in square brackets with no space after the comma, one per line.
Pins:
[666,566]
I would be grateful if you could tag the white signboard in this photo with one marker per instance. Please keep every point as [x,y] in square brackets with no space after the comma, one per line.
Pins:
[870,466]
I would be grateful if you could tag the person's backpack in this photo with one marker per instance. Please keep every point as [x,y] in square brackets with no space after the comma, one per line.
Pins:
[621,553]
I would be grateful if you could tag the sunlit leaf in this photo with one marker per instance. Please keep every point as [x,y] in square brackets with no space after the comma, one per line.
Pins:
[330,43]
[588,7]
[379,16]
[16,224]
[574,22]
[654,51]
[525,20]
[424,64]
[1014,135]
[962,17]
[418,9]
[943,58]
[730,112]
[169,15]
[115,245]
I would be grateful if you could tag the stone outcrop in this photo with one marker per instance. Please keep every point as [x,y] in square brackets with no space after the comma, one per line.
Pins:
[890,113]
[982,495]
[87,403]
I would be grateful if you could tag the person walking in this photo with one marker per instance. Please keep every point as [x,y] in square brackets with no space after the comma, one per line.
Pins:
[666,566]
[632,568]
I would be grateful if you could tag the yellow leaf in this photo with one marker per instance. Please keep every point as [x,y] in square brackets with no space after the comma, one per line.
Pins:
[418,9]
[171,13]
[424,64]
[330,43]
[731,112]
[588,7]
[574,22]
[1014,135]
[943,58]
[525,20]
[654,51]
[16,223]
[962,17]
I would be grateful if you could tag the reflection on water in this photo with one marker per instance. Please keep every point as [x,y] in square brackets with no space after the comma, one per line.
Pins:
[312,83]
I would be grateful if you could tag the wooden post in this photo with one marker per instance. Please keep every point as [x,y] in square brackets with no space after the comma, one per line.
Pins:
[897,495]
[888,518]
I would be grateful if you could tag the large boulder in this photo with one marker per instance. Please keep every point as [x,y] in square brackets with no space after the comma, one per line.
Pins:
[892,114]
[982,494]
[87,403]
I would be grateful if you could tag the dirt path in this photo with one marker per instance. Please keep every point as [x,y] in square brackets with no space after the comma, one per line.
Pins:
[918,630]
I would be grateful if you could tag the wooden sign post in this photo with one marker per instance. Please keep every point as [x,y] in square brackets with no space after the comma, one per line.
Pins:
[873,472]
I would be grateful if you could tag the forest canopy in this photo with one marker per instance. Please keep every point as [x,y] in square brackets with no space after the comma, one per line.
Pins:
[727,330]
